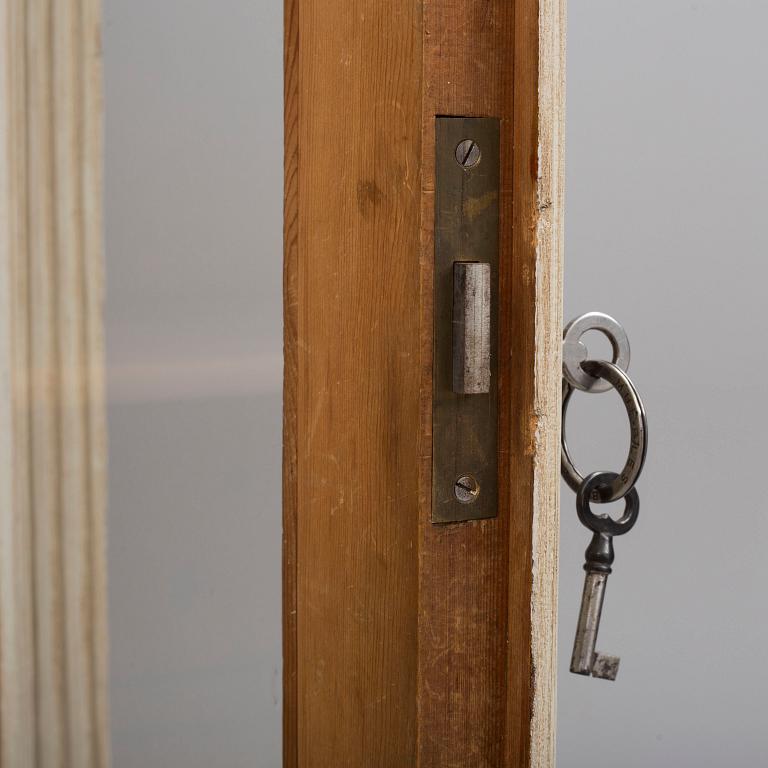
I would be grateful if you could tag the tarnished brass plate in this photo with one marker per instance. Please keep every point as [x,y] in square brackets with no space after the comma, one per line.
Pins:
[464,426]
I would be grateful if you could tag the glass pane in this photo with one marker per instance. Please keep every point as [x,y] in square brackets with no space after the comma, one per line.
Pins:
[194,365]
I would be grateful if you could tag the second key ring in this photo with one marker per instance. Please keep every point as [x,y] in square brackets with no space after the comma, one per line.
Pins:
[638,443]
[575,352]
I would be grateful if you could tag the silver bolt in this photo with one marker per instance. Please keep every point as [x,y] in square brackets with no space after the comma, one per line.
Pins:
[466,489]
[468,154]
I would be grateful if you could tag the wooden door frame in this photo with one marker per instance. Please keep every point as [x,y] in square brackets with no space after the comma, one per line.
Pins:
[53,693]
[441,646]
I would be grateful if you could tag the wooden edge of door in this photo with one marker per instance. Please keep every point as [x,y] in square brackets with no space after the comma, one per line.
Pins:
[432,722]
[548,324]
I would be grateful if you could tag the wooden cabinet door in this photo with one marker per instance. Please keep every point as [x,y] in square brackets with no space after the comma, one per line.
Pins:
[410,643]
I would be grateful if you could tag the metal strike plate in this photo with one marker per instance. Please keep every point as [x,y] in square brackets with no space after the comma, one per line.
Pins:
[466,310]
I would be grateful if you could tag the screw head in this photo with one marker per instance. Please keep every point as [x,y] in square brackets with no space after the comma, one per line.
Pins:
[468,154]
[466,489]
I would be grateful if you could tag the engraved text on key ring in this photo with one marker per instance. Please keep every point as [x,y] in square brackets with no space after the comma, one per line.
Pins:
[604,523]
[638,441]
[575,351]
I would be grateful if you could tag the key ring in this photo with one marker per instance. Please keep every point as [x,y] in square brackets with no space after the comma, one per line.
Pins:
[604,523]
[575,352]
[638,443]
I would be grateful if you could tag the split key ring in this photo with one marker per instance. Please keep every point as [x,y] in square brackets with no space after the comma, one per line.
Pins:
[625,480]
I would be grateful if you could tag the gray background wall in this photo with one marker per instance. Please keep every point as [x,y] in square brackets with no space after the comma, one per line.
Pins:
[667,157]
[666,200]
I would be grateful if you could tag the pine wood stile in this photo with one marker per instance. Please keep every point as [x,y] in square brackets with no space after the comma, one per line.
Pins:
[408,643]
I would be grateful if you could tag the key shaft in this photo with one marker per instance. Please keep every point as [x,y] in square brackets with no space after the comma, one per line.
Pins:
[583,657]
[585,660]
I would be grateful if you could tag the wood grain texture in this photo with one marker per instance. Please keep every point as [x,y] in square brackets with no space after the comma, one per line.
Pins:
[290,382]
[53,709]
[547,378]
[407,643]
[354,279]
[469,612]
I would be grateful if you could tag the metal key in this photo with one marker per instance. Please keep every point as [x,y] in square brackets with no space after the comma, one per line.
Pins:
[599,559]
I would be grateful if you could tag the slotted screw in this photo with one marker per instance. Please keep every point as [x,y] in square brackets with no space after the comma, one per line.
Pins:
[466,489]
[468,154]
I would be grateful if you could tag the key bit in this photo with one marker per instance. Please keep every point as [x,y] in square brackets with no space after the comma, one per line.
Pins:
[605,667]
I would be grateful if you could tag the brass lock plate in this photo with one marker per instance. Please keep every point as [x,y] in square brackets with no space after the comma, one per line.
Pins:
[466,327]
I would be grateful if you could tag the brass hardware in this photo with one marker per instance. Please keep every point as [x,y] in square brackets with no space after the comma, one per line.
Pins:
[465,371]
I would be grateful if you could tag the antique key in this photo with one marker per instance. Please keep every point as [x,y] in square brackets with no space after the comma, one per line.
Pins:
[588,375]
[599,559]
